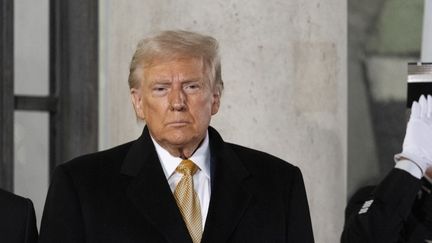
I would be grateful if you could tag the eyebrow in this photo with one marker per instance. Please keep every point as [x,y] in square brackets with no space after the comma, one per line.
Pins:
[160,82]
[191,81]
[166,81]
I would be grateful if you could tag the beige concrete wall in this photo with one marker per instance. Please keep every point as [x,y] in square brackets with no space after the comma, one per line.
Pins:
[284,67]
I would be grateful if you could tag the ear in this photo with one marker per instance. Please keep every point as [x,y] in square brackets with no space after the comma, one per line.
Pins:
[137,98]
[215,103]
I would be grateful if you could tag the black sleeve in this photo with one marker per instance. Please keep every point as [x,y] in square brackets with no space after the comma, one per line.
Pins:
[380,215]
[299,227]
[62,219]
[418,227]
[31,233]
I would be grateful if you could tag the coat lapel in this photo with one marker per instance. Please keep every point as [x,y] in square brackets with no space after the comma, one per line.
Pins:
[230,194]
[149,190]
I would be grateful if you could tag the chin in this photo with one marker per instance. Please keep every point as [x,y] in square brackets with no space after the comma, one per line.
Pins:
[182,137]
[178,136]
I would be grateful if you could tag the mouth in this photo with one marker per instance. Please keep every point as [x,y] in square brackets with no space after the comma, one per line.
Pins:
[177,124]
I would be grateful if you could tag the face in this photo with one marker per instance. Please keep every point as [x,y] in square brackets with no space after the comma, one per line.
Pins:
[176,101]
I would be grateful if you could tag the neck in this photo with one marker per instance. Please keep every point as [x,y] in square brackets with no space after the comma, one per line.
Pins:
[184,151]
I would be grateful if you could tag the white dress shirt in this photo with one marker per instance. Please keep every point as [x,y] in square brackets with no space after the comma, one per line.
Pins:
[201,178]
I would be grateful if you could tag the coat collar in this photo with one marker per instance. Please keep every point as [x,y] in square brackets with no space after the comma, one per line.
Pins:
[150,192]
[231,193]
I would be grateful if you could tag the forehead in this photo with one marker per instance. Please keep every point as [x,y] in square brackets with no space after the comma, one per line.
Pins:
[185,66]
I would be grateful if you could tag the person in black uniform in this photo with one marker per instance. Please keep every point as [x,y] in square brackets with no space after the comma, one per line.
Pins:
[399,209]
[17,219]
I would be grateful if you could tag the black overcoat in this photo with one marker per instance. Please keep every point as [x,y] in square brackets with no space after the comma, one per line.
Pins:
[122,195]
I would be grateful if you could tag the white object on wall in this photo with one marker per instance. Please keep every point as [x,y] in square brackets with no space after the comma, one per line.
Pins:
[426,48]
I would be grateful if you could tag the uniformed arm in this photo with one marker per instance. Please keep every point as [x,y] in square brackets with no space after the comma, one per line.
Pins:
[417,145]
[379,216]
[62,219]
[419,223]
[299,227]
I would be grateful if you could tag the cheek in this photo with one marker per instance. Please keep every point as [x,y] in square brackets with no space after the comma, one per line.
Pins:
[205,109]
[153,106]
[148,110]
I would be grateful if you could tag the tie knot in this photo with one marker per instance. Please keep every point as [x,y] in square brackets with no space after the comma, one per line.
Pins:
[186,167]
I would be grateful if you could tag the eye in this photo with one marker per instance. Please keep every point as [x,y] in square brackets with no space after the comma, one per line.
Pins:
[159,90]
[192,87]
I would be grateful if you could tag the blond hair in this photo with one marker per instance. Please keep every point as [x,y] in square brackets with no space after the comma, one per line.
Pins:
[169,45]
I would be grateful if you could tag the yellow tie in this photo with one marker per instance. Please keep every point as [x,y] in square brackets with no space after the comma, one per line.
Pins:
[187,200]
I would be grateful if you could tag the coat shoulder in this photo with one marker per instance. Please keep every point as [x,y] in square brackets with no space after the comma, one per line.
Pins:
[18,223]
[98,162]
[256,160]
[12,201]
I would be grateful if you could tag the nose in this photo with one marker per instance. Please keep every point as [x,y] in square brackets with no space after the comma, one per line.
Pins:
[177,100]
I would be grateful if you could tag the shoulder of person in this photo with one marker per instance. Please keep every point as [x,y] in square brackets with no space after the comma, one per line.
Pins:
[11,202]
[261,161]
[98,162]
[9,196]
[251,158]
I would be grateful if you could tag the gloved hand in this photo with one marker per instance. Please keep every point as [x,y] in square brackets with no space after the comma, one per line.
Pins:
[417,145]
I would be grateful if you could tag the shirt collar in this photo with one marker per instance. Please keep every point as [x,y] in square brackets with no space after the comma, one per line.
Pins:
[201,158]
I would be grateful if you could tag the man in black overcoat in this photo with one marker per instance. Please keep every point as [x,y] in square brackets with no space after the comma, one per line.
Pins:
[179,182]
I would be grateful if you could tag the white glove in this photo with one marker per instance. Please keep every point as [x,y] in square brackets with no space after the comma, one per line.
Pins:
[417,145]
